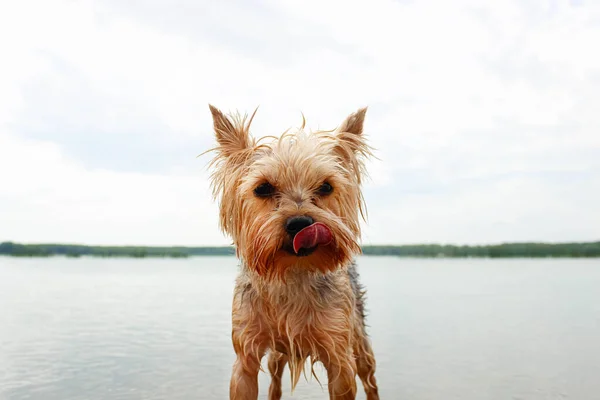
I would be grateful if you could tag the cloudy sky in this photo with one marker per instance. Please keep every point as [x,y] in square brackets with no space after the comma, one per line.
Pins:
[484,114]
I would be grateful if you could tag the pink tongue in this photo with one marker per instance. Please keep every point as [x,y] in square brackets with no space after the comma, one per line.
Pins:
[311,236]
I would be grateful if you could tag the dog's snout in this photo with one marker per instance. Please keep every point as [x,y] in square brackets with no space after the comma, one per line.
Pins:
[295,224]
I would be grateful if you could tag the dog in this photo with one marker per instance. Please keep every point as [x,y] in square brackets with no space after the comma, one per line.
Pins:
[292,205]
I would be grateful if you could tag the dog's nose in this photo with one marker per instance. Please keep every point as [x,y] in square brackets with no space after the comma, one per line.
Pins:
[295,224]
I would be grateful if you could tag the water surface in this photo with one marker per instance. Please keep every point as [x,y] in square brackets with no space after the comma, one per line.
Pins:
[476,329]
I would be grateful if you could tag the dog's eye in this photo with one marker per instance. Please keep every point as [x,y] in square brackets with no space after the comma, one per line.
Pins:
[325,188]
[264,190]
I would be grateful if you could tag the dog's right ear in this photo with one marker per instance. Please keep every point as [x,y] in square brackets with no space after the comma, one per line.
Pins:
[351,146]
[233,135]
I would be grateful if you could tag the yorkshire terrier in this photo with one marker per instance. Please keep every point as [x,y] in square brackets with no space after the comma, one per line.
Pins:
[292,206]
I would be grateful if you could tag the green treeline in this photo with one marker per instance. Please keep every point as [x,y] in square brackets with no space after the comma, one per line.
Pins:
[46,250]
[589,249]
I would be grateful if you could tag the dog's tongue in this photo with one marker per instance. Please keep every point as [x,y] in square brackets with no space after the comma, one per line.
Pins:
[311,236]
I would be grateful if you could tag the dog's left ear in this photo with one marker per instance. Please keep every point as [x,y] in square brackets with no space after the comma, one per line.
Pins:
[351,143]
[233,136]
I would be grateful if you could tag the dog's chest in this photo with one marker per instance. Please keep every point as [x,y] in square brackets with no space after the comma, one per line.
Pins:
[304,315]
[299,316]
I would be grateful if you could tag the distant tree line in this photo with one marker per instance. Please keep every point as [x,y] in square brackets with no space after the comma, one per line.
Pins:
[506,250]
[589,249]
[69,250]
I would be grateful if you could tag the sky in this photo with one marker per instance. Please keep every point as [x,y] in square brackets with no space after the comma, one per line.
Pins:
[484,115]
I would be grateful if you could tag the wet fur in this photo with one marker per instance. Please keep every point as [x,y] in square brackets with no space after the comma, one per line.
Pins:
[294,308]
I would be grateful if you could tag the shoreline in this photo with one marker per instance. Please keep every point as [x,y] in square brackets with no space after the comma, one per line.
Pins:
[506,250]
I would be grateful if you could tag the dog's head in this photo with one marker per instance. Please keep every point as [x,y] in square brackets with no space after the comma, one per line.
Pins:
[294,200]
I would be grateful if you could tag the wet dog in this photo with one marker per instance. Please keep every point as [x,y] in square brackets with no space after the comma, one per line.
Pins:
[292,205]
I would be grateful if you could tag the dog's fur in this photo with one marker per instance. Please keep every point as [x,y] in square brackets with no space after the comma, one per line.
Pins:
[294,307]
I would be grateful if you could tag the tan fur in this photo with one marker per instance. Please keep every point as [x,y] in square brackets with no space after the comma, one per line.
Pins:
[295,308]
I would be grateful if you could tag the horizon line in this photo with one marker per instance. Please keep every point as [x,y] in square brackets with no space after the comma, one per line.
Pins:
[362,245]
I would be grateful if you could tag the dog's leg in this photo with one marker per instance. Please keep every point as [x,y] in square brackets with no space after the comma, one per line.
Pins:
[342,379]
[244,377]
[365,364]
[365,359]
[277,363]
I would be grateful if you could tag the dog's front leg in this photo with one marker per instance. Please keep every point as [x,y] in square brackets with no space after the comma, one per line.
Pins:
[244,377]
[342,379]
[249,344]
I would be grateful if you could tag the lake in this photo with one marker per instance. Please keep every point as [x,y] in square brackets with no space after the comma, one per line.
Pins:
[465,329]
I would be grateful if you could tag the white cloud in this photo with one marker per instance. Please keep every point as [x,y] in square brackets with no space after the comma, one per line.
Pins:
[473,107]
[512,208]
[45,197]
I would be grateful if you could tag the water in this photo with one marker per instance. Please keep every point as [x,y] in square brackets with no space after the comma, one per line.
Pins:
[159,329]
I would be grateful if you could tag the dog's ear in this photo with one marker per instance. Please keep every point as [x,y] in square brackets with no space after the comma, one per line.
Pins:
[350,132]
[233,135]
[351,143]
[353,124]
